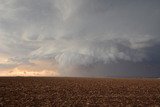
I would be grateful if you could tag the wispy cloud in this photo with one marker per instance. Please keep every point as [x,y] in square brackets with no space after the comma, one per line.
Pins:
[79,33]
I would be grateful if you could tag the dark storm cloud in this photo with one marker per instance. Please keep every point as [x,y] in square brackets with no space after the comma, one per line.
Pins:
[82,33]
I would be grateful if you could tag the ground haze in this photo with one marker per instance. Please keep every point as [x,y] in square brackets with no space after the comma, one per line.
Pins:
[49,91]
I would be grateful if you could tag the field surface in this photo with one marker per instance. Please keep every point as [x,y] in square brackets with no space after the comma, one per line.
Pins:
[78,92]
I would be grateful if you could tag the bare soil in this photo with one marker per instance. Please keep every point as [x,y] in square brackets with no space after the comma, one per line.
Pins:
[78,92]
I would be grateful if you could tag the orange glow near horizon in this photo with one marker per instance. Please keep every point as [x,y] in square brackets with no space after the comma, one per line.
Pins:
[25,72]
[39,68]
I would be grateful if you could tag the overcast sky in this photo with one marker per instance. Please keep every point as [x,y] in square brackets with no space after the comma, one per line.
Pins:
[80,38]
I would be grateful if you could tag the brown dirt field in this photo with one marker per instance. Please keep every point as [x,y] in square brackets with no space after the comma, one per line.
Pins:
[78,92]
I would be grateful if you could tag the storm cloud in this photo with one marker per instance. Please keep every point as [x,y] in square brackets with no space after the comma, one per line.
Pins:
[81,37]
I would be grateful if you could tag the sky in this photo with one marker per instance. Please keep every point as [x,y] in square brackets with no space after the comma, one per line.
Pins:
[117,38]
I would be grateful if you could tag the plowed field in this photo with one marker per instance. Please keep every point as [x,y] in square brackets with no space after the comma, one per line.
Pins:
[78,92]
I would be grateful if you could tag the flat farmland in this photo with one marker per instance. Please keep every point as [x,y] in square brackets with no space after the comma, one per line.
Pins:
[78,92]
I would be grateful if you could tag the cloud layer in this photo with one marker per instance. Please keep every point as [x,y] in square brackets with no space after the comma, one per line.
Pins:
[79,34]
